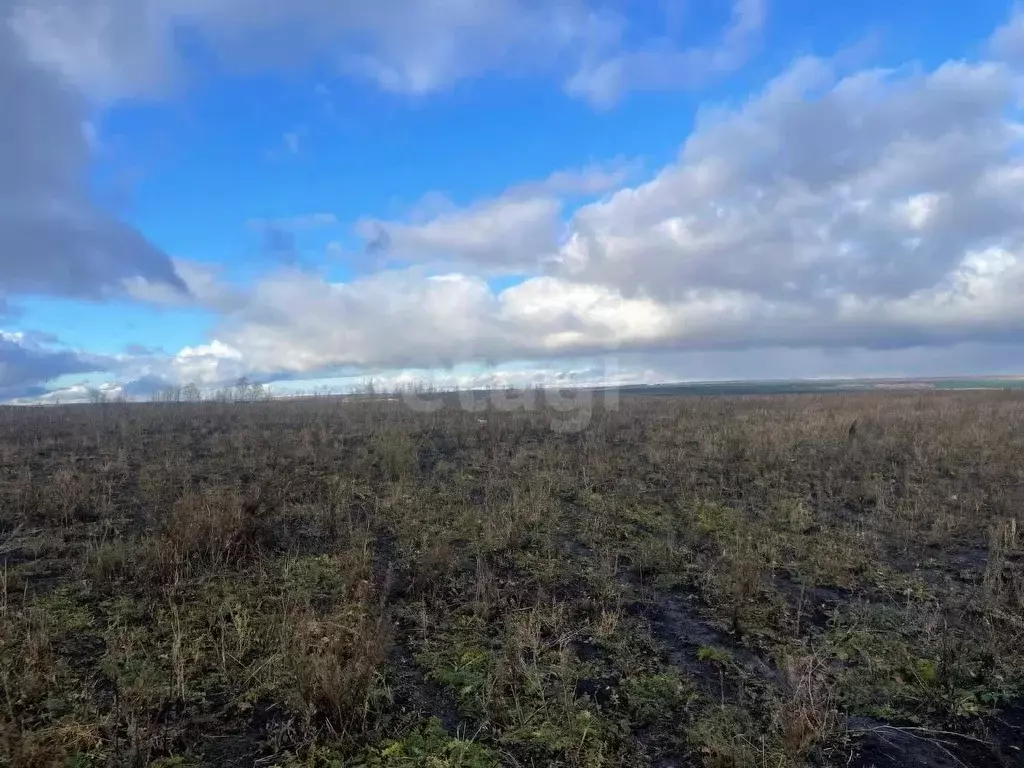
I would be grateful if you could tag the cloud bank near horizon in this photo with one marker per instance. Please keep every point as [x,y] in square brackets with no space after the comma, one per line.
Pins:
[874,214]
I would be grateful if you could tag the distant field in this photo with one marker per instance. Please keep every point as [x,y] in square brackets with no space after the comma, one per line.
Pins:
[827,579]
[823,386]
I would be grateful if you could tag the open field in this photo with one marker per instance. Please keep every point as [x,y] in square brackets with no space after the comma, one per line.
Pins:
[751,581]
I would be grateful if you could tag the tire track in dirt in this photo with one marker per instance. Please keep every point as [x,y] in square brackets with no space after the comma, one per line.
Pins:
[677,624]
[415,692]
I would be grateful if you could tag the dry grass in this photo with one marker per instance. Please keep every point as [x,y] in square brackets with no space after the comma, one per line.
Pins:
[756,581]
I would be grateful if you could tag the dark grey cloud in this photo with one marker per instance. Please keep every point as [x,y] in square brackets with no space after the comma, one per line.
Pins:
[146,386]
[28,362]
[279,236]
[280,244]
[378,241]
[53,238]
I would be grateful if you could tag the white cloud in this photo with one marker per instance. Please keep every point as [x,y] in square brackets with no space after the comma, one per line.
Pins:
[298,324]
[1007,42]
[507,233]
[141,372]
[113,48]
[59,59]
[663,64]
[202,283]
[515,232]
[855,213]
[401,318]
[874,185]
[208,364]
[874,210]
[74,393]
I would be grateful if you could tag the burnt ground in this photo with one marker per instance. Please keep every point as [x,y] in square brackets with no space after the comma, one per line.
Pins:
[724,582]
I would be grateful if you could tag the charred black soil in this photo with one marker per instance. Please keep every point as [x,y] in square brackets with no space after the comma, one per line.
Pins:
[730,582]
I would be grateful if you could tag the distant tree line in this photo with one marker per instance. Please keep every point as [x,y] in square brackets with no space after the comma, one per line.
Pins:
[243,391]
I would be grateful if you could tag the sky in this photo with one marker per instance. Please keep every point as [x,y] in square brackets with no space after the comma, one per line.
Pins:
[473,193]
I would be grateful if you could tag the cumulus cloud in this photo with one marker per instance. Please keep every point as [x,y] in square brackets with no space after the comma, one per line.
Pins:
[517,231]
[28,361]
[401,318]
[820,190]
[53,239]
[866,212]
[204,364]
[296,324]
[204,288]
[139,372]
[876,214]
[1007,42]
[508,233]
[58,60]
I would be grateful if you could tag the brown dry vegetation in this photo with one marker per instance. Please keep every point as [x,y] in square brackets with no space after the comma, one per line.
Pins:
[729,582]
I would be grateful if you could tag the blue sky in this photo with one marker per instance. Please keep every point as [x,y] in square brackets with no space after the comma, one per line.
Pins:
[507,191]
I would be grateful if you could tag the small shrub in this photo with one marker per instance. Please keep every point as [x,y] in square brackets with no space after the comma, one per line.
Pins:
[213,530]
[336,665]
[806,719]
